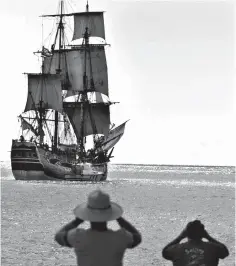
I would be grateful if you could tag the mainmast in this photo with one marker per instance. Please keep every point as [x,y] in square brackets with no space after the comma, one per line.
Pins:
[61,35]
[85,102]
[85,88]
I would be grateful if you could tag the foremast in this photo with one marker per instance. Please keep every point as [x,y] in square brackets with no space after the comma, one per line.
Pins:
[60,29]
[60,37]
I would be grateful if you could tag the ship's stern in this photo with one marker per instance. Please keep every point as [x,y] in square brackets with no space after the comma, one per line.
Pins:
[25,161]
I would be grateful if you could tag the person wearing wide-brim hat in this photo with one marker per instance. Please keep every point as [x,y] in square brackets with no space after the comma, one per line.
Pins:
[98,245]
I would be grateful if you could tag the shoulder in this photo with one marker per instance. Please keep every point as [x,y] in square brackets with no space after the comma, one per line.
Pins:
[219,249]
[124,236]
[64,237]
[173,251]
[77,232]
[122,233]
[176,247]
[75,235]
[210,246]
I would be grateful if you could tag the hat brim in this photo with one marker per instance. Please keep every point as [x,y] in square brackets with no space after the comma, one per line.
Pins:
[95,215]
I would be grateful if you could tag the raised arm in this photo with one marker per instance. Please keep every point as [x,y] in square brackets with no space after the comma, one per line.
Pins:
[223,250]
[61,235]
[137,238]
[166,252]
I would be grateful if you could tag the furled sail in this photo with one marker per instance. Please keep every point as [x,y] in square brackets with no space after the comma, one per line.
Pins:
[45,88]
[113,137]
[72,68]
[94,21]
[93,97]
[100,114]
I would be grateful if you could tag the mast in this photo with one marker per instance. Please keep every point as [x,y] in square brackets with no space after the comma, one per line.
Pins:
[87,7]
[85,85]
[92,88]
[41,122]
[84,93]
[61,29]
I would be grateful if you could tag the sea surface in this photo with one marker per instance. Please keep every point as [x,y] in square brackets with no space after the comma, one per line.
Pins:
[158,200]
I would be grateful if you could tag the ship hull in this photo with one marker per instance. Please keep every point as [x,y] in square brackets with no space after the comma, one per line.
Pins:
[30,162]
[40,175]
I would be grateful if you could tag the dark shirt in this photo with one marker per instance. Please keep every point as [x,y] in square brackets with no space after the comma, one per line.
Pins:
[194,253]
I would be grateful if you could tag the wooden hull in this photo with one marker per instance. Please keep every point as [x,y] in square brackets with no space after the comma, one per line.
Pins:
[30,162]
[40,175]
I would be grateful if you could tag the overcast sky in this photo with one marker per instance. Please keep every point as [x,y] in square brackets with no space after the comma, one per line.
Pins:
[170,65]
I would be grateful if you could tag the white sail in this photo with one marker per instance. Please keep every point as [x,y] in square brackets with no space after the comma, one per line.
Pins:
[45,88]
[72,69]
[113,137]
[94,21]
[100,115]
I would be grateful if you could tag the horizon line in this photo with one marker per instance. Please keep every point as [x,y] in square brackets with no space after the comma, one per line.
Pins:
[186,165]
[152,164]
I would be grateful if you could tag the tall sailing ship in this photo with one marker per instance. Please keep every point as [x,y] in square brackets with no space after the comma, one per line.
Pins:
[66,132]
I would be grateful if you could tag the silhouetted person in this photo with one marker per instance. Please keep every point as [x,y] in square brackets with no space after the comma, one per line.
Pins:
[98,245]
[195,252]
[22,138]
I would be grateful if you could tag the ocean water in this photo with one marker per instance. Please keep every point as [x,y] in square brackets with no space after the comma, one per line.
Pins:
[158,200]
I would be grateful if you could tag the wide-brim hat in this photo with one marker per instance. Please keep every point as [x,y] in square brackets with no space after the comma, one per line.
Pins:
[98,208]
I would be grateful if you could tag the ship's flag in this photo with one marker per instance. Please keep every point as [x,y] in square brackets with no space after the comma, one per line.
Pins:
[25,125]
[46,52]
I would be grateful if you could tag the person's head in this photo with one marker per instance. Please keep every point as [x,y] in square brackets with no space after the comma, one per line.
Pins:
[195,230]
[98,210]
